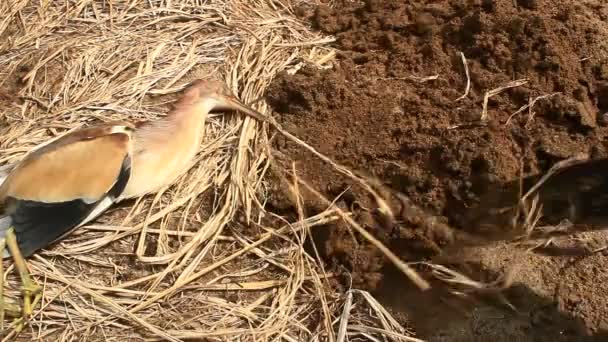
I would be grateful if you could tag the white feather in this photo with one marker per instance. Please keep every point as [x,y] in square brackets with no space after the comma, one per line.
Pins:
[5,224]
[4,171]
[98,210]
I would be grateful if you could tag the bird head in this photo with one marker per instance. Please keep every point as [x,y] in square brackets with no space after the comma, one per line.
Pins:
[204,88]
[217,92]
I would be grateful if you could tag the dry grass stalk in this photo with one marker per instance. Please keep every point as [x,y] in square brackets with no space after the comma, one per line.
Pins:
[382,205]
[563,227]
[530,209]
[529,106]
[468,75]
[423,79]
[319,286]
[582,157]
[463,286]
[496,91]
[353,324]
[420,79]
[345,316]
[420,282]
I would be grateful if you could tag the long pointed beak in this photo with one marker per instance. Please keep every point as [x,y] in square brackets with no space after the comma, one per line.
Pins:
[231,102]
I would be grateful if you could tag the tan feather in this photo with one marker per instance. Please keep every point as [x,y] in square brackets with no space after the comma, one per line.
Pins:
[84,164]
[164,149]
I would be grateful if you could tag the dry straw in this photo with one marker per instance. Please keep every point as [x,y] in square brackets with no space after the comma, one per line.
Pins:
[178,265]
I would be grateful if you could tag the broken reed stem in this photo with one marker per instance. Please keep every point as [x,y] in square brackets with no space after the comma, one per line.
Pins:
[533,214]
[301,216]
[577,159]
[468,75]
[529,106]
[178,285]
[496,91]
[402,266]
[419,79]
[390,327]
[345,316]
[382,206]
[463,285]
[84,289]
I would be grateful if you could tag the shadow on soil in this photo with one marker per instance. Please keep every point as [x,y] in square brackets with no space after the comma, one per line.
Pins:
[578,194]
[437,315]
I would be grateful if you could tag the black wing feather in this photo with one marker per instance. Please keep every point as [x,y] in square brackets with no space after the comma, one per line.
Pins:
[38,224]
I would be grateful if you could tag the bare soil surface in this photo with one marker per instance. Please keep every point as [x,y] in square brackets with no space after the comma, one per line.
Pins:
[381,111]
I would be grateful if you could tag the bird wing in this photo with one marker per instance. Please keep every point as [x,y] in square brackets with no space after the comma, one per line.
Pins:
[65,183]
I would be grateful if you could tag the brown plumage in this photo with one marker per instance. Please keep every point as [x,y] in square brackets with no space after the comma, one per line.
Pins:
[87,178]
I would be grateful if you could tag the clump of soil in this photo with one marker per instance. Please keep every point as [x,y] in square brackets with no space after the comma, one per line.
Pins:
[378,111]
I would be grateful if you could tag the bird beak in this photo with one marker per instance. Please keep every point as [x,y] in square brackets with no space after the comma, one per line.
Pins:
[224,102]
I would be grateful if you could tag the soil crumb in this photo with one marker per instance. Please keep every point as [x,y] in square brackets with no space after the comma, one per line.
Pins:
[394,106]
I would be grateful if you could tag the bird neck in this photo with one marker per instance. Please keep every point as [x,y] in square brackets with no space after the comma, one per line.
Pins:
[164,149]
[194,110]
[180,128]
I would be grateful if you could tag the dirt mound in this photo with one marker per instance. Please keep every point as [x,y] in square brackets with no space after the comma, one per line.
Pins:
[393,107]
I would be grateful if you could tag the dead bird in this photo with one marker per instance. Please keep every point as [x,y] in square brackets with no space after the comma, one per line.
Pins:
[72,179]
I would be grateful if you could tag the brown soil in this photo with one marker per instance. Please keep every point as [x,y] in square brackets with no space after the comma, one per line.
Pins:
[373,113]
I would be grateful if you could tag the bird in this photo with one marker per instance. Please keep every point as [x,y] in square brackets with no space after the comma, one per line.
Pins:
[71,180]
